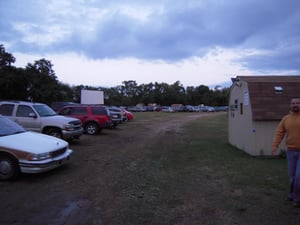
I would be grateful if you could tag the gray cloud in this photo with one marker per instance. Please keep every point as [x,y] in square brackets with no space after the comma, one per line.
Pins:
[174,30]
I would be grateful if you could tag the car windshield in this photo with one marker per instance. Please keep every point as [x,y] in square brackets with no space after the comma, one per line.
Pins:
[8,127]
[44,110]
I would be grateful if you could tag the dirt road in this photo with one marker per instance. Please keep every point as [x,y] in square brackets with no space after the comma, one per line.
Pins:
[98,185]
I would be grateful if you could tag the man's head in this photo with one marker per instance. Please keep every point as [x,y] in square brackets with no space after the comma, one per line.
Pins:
[295,105]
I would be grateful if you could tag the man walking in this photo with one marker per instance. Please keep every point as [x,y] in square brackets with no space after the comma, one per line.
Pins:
[290,126]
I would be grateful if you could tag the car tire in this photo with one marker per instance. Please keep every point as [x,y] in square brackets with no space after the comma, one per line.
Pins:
[9,167]
[91,128]
[55,132]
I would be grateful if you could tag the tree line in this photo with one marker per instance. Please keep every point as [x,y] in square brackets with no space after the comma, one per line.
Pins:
[38,82]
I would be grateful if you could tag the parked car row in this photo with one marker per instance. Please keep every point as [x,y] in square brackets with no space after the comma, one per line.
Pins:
[178,108]
[31,134]
[95,118]
[41,118]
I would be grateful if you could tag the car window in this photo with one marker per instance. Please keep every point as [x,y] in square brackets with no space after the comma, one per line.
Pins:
[23,111]
[44,110]
[79,111]
[66,111]
[6,109]
[99,111]
[8,127]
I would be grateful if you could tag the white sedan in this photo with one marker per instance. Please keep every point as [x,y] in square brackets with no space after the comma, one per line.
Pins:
[23,151]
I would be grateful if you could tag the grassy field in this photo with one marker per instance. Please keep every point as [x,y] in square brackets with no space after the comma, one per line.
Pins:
[159,169]
[204,143]
[194,176]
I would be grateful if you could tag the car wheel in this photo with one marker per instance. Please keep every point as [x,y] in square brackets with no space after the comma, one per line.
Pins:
[9,167]
[91,128]
[55,132]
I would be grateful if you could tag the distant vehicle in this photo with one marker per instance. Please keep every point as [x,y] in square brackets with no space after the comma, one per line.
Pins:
[137,108]
[132,108]
[196,108]
[94,118]
[177,107]
[188,108]
[221,108]
[127,115]
[23,151]
[41,118]
[207,109]
[116,115]
[167,109]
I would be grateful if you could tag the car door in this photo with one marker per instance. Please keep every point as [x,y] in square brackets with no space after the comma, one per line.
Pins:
[80,113]
[27,118]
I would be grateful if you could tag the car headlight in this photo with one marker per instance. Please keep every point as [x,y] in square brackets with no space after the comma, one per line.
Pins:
[69,126]
[37,157]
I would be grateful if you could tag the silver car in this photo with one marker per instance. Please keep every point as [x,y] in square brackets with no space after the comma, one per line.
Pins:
[41,118]
[23,151]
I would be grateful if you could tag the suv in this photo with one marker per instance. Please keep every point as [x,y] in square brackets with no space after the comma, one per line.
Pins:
[93,117]
[41,118]
[116,115]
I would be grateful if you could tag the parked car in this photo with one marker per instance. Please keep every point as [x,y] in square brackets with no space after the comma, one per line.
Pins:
[177,107]
[93,117]
[57,105]
[24,151]
[188,108]
[127,115]
[137,108]
[207,109]
[167,109]
[41,118]
[116,115]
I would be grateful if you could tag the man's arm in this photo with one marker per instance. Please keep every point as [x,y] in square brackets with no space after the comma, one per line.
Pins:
[278,136]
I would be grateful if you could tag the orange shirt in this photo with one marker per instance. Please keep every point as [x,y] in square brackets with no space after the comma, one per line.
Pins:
[289,125]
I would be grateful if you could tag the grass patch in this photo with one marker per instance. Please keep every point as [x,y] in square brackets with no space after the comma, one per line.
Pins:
[193,176]
[209,145]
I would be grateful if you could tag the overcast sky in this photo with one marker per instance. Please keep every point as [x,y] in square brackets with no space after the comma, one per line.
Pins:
[105,42]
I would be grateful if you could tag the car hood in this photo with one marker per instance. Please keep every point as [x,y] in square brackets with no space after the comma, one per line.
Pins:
[32,142]
[62,119]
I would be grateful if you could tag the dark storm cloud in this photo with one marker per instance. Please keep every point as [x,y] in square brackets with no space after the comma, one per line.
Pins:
[174,30]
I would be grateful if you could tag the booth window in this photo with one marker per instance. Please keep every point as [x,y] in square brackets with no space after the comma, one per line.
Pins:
[278,89]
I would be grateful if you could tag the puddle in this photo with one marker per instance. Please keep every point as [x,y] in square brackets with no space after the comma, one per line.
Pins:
[75,213]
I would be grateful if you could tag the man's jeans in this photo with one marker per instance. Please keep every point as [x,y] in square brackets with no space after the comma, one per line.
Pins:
[293,158]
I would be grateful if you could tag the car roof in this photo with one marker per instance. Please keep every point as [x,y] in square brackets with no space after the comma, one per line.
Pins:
[21,102]
[84,105]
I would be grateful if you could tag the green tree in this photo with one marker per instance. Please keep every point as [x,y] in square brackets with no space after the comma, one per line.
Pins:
[112,96]
[6,59]
[129,90]
[13,84]
[146,93]
[203,95]
[66,93]
[221,97]
[43,85]
[12,80]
